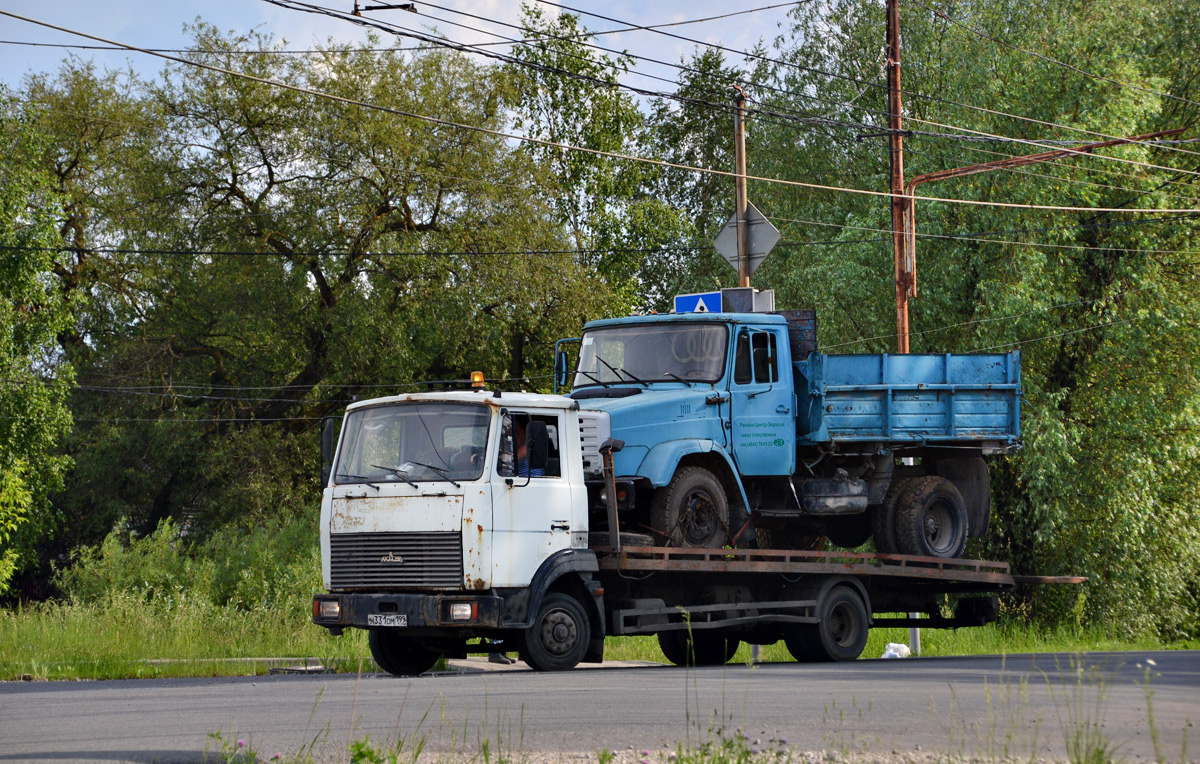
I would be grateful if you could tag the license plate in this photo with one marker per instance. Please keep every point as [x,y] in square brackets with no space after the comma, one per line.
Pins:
[386,619]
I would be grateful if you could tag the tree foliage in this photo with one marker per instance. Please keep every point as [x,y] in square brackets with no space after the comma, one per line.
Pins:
[34,380]
[1101,305]
[244,258]
[254,257]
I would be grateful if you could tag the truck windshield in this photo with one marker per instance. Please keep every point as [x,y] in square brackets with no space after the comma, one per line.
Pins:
[413,442]
[644,353]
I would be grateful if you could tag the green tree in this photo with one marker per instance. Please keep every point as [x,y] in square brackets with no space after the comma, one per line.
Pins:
[1102,306]
[565,92]
[34,379]
[693,128]
[276,254]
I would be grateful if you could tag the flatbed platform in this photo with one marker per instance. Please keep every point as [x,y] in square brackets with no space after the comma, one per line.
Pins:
[980,575]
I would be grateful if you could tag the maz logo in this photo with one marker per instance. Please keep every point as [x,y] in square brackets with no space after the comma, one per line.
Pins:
[389,557]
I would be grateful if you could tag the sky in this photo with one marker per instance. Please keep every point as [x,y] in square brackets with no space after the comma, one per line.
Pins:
[160,24]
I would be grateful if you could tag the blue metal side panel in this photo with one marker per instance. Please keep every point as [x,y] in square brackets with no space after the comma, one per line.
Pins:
[927,398]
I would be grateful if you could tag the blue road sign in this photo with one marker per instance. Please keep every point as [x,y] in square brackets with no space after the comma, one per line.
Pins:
[702,302]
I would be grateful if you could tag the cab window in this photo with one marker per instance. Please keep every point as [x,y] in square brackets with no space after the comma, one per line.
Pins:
[513,459]
[757,358]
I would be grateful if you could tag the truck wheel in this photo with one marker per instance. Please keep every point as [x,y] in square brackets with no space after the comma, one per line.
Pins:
[883,518]
[692,510]
[559,636]
[931,518]
[839,635]
[697,649]
[400,655]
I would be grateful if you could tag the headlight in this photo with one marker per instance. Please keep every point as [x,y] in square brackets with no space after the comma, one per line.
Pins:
[464,611]
[327,610]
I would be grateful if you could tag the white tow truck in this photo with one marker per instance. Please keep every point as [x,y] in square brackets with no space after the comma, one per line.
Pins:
[459,522]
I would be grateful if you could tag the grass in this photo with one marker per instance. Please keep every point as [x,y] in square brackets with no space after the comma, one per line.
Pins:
[184,637]
[984,640]
[193,637]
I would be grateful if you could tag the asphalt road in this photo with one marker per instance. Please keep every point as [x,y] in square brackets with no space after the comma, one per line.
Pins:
[956,706]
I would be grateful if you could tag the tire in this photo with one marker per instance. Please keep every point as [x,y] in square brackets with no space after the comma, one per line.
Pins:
[931,519]
[692,511]
[559,636]
[841,633]
[398,654]
[883,518]
[697,648]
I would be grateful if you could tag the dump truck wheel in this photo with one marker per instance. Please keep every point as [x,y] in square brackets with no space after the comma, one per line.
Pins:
[692,510]
[841,633]
[400,655]
[883,518]
[931,519]
[559,636]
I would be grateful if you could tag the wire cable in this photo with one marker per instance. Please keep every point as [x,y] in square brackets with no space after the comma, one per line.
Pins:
[984,35]
[832,75]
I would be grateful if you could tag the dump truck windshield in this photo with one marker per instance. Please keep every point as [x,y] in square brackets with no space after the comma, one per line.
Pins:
[645,353]
[413,442]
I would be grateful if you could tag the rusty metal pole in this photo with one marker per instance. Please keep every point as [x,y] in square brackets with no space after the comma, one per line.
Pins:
[607,448]
[739,158]
[896,143]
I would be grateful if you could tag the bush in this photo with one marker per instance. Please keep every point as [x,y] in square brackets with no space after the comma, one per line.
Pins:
[276,565]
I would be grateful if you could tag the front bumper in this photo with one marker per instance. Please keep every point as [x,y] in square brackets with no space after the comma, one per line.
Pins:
[414,611]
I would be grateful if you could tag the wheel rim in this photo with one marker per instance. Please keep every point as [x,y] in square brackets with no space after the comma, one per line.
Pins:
[558,632]
[843,625]
[699,522]
[939,527]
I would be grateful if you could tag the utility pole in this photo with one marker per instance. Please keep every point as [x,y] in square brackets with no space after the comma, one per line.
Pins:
[739,159]
[906,285]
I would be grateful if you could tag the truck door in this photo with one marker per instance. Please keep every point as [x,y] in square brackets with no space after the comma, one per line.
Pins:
[532,509]
[762,403]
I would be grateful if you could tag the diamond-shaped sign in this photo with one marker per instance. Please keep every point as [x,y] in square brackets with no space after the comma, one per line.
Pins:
[761,238]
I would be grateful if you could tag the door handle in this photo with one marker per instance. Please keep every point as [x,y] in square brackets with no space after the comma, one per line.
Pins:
[560,526]
[781,409]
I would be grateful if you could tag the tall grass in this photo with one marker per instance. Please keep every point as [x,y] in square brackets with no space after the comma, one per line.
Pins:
[166,606]
[124,636]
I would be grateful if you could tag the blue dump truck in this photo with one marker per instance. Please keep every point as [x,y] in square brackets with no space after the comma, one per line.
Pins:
[732,430]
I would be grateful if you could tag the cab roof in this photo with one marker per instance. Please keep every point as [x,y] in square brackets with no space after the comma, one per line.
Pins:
[675,318]
[484,397]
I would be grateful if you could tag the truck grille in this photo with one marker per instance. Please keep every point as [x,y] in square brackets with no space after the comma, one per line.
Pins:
[593,431]
[399,560]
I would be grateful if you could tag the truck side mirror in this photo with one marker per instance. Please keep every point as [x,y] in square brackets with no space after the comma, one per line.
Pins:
[562,369]
[328,438]
[537,445]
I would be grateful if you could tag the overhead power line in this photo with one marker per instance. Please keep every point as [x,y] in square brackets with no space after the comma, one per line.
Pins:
[976,237]
[832,75]
[594,152]
[1104,78]
[399,30]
